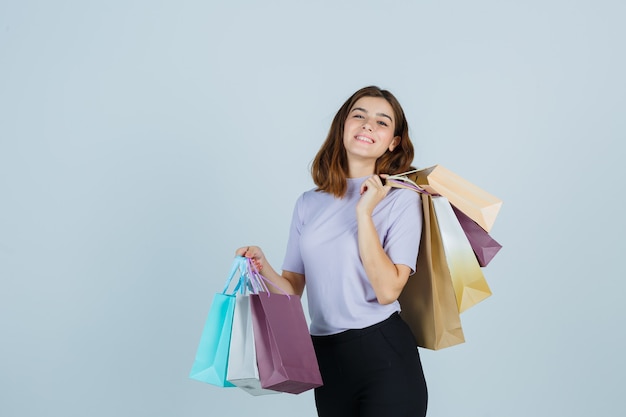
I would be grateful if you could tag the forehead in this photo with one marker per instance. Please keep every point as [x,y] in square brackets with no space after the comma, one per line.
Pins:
[374,105]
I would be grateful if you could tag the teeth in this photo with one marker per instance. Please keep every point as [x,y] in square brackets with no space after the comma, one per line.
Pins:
[364,139]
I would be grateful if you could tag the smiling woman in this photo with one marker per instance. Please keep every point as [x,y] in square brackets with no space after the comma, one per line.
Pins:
[331,165]
[354,242]
[368,133]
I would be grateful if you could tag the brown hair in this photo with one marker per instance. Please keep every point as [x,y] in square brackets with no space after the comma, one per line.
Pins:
[330,166]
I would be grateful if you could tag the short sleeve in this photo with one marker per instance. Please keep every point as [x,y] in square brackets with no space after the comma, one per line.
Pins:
[293,257]
[402,240]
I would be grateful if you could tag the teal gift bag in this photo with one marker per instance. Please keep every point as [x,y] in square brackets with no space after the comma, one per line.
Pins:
[211,361]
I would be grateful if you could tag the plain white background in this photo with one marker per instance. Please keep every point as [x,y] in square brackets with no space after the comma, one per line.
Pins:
[142,142]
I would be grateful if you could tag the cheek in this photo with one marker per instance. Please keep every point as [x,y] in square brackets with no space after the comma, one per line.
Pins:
[387,139]
[348,129]
[345,139]
[349,124]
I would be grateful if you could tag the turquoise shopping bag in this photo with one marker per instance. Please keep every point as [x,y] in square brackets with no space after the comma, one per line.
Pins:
[211,362]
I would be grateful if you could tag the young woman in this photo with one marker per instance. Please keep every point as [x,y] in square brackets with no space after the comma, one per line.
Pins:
[354,242]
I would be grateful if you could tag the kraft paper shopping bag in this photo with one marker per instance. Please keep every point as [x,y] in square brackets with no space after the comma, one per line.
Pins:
[478,204]
[428,301]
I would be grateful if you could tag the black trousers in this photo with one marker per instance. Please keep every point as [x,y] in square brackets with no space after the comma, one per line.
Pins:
[375,371]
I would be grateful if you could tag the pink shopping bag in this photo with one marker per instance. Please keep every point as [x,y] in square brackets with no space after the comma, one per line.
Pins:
[284,349]
[485,247]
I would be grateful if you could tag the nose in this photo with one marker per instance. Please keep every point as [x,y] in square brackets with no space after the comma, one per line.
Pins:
[366,126]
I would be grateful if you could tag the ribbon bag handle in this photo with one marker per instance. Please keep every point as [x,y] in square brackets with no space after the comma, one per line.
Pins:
[403,181]
[256,282]
[239,266]
[250,279]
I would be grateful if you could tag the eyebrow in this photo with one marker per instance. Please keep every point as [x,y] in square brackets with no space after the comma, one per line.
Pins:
[377,114]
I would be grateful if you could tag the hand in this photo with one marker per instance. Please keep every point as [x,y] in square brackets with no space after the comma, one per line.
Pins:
[372,192]
[255,254]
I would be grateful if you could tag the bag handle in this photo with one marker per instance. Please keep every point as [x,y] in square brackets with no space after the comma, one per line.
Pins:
[250,279]
[239,264]
[403,181]
[257,282]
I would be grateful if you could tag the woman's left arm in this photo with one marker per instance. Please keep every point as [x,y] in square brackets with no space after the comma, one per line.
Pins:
[387,278]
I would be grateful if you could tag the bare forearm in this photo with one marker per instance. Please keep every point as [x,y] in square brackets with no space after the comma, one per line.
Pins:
[288,282]
[383,274]
[282,282]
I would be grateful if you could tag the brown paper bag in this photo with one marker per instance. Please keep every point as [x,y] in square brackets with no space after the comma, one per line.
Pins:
[472,200]
[428,302]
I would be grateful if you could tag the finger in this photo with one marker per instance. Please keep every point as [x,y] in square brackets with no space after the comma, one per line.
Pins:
[253,252]
[241,251]
[378,180]
[258,265]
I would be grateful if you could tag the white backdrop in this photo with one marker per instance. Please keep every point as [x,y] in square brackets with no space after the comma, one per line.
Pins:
[142,142]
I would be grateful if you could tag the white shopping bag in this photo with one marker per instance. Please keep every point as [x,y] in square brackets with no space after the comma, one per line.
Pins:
[243,371]
[468,280]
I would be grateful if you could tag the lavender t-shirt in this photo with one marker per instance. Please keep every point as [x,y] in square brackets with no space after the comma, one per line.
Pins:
[323,247]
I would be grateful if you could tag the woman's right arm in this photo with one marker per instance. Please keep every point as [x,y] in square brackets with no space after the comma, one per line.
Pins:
[291,282]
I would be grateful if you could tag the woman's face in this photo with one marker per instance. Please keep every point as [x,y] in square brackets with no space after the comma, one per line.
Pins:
[368,129]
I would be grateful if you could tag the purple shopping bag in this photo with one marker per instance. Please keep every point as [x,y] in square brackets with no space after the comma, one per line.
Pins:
[284,349]
[484,246]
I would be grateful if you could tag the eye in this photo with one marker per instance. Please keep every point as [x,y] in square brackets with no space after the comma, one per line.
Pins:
[358,116]
[382,123]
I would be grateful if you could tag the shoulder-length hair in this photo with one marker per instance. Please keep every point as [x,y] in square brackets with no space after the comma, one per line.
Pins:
[330,166]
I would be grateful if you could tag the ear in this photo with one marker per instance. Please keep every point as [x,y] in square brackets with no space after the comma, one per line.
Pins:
[394,143]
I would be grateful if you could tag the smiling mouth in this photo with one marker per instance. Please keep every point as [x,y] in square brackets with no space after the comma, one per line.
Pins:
[363,139]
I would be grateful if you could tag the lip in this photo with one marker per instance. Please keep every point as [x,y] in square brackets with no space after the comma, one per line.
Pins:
[370,140]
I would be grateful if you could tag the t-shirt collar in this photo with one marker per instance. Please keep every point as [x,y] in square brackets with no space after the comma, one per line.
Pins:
[354,184]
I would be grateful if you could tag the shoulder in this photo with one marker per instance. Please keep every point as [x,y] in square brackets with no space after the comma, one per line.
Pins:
[309,201]
[313,196]
[403,202]
[403,196]
[308,195]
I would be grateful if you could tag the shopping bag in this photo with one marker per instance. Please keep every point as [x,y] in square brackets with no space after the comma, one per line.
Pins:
[211,362]
[284,349]
[428,304]
[468,280]
[484,246]
[242,364]
[212,355]
[478,204]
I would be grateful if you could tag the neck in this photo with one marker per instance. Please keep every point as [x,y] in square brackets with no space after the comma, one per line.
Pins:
[359,169]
